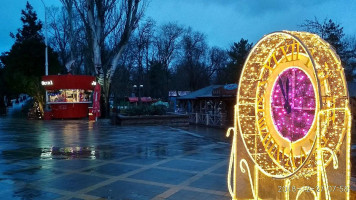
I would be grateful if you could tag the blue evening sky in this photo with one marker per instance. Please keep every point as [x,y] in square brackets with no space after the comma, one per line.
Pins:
[223,21]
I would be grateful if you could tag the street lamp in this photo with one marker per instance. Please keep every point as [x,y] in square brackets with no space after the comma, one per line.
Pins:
[46,36]
[139,93]
[138,87]
[46,50]
[133,94]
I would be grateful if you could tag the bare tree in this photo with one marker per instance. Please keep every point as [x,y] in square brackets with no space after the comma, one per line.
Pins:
[218,60]
[67,36]
[167,43]
[192,70]
[142,47]
[69,20]
[109,25]
[58,31]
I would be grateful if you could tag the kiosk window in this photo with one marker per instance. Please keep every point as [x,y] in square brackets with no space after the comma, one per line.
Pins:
[69,95]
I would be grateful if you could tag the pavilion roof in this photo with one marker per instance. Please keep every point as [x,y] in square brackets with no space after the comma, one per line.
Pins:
[203,92]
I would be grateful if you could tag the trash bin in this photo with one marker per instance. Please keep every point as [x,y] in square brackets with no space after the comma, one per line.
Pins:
[91,115]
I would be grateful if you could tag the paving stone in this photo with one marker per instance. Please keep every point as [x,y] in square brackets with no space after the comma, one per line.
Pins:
[222,170]
[73,182]
[112,169]
[163,176]
[187,165]
[128,191]
[192,195]
[143,159]
[211,182]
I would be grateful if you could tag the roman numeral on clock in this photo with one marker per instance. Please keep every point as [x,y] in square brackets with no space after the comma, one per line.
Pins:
[293,49]
[268,63]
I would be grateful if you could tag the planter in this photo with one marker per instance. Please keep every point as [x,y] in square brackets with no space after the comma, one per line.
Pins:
[173,120]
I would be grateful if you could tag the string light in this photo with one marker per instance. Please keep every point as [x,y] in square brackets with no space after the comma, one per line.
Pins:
[295,125]
[317,90]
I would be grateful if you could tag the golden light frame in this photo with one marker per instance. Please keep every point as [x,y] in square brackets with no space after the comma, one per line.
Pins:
[271,154]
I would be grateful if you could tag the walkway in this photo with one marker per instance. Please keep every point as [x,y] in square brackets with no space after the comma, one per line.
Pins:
[83,160]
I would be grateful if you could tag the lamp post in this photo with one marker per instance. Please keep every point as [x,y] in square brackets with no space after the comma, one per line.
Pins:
[46,36]
[46,50]
[138,87]
[134,91]
[139,94]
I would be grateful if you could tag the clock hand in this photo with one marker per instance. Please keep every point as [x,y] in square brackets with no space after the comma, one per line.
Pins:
[286,104]
[281,86]
[287,88]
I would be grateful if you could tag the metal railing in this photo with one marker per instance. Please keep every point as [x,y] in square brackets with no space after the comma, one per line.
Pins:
[205,119]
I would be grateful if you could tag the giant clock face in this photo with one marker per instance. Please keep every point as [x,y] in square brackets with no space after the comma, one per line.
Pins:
[290,100]
[293,104]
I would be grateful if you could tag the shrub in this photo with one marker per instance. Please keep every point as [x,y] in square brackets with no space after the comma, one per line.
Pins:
[158,110]
[145,110]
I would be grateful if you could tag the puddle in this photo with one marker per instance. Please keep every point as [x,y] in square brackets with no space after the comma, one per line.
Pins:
[75,152]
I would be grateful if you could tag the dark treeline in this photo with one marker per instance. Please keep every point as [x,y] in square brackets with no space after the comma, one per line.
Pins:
[158,57]
[112,40]
[173,57]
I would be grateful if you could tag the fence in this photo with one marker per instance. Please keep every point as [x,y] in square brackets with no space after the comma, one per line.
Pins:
[206,119]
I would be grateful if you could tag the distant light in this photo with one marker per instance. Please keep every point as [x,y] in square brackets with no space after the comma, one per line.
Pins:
[141,85]
[47,82]
[134,86]
[93,83]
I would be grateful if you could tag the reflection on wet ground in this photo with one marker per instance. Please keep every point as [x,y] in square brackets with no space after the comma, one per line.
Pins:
[78,159]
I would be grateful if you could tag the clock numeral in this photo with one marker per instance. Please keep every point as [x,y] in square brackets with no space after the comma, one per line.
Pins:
[293,48]
[269,141]
[307,63]
[279,151]
[275,149]
[262,123]
[260,83]
[260,103]
[297,44]
[304,154]
[327,73]
[265,137]
[291,159]
[331,114]
[268,64]
[283,148]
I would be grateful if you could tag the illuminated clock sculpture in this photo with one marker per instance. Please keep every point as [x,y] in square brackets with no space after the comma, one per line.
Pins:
[293,116]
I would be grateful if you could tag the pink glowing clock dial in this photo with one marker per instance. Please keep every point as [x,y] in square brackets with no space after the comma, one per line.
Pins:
[293,104]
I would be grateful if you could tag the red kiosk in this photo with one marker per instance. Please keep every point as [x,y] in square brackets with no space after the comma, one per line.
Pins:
[69,96]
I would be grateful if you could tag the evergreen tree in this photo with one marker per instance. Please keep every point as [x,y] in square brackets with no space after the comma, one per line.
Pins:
[334,34]
[24,63]
[237,53]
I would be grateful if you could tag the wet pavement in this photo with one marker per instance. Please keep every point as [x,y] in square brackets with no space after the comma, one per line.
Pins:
[62,159]
[77,159]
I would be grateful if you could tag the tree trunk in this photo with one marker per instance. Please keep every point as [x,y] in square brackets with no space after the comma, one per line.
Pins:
[39,98]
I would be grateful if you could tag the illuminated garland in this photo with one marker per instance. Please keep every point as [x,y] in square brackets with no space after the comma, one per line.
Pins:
[291,137]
